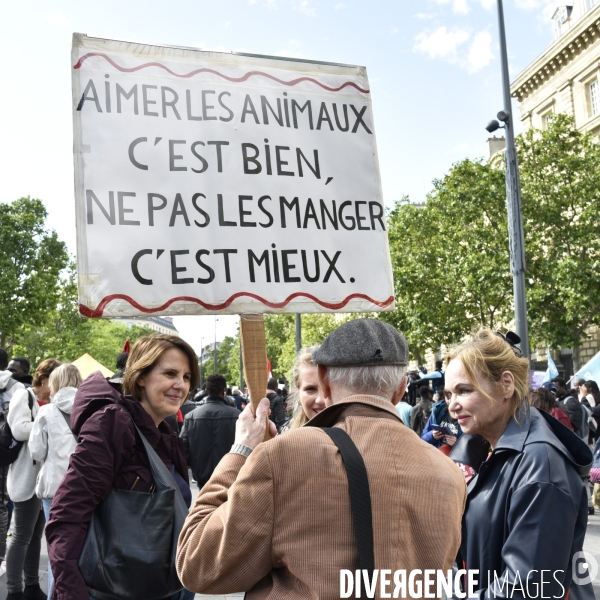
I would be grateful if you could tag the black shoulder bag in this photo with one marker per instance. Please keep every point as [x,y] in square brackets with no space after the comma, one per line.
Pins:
[129,551]
[360,499]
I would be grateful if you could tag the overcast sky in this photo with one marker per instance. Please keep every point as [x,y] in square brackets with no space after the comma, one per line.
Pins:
[433,67]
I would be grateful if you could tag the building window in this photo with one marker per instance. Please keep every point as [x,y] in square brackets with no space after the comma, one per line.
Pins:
[594,93]
[562,20]
[546,119]
[589,4]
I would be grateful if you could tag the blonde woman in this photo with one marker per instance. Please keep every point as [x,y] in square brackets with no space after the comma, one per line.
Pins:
[526,511]
[51,440]
[306,397]
[23,556]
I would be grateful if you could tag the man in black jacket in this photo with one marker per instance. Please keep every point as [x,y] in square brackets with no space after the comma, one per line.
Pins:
[209,430]
[569,401]
[276,403]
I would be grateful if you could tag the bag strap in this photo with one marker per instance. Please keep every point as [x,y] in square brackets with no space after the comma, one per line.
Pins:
[360,497]
[8,386]
[67,419]
[31,399]
[164,480]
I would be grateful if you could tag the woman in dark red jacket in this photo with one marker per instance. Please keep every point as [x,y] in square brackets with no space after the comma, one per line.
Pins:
[544,399]
[157,379]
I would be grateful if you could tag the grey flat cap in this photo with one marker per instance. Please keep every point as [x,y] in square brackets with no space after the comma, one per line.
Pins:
[362,342]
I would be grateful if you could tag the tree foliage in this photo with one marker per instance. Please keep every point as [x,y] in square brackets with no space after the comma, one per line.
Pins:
[560,177]
[280,333]
[63,334]
[451,259]
[225,361]
[31,261]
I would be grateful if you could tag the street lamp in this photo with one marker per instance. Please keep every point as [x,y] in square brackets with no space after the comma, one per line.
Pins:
[516,237]
[201,362]
[215,350]
[241,360]
[298,332]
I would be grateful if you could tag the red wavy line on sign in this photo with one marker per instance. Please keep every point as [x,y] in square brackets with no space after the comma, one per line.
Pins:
[98,312]
[232,79]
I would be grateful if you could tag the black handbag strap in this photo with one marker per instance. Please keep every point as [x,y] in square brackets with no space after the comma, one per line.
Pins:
[164,480]
[360,497]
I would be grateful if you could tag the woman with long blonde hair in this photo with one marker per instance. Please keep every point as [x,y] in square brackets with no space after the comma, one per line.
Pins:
[306,397]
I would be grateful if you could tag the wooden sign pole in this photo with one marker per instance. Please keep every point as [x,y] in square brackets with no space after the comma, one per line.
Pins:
[254,354]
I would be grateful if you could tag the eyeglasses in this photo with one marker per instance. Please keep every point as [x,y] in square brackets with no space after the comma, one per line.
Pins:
[512,339]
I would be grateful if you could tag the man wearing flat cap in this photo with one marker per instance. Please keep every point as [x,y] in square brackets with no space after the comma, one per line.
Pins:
[275,519]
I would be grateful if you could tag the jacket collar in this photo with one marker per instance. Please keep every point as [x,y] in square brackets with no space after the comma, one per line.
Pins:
[516,431]
[530,427]
[215,399]
[330,416]
[144,421]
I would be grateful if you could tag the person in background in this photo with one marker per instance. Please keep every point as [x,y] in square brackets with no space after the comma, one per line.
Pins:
[23,556]
[51,441]
[306,397]
[404,410]
[437,385]
[201,394]
[576,383]
[237,397]
[421,411]
[414,381]
[110,453]
[228,398]
[188,406]
[19,367]
[590,393]
[591,399]
[277,408]
[440,416]
[544,400]
[568,401]
[526,511]
[209,430]
[8,387]
[117,379]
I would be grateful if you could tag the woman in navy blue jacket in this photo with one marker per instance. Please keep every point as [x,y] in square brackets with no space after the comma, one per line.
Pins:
[526,511]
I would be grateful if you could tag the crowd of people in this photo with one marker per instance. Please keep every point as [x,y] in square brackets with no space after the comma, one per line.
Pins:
[105,467]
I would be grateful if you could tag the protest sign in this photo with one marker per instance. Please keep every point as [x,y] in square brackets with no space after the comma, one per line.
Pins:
[212,182]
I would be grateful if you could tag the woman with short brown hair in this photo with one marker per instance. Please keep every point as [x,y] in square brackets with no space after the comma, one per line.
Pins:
[110,454]
[526,511]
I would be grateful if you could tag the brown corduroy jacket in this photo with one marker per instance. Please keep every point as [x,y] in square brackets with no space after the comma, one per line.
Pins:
[279,524]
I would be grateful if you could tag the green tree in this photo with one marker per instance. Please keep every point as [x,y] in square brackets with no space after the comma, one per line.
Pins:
[224,354]
[31,261]
[450,258]
[280,332]
[65,335]
[560,177]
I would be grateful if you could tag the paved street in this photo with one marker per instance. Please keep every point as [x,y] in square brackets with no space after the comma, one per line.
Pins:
[592,545]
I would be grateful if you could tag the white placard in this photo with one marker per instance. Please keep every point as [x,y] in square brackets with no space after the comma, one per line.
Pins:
[212,182]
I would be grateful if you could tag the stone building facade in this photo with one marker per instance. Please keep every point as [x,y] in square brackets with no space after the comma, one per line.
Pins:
[158,324]
[565,78]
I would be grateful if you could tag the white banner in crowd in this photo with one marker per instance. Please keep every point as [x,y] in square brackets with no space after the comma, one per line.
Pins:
[207,182]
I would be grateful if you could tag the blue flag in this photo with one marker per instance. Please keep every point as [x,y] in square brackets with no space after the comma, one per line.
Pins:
[551,371]
[591,370]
